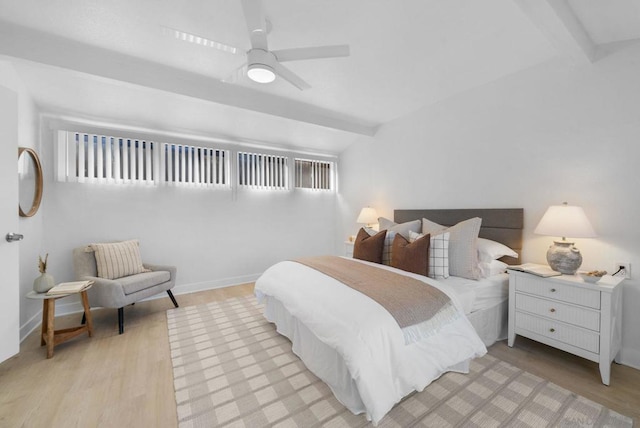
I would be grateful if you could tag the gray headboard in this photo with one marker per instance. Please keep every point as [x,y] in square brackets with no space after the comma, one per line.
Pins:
[499,224]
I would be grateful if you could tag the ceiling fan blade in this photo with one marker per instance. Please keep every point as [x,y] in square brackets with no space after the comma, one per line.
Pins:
[290,76]
[198,40]
[256,24]
[311,53]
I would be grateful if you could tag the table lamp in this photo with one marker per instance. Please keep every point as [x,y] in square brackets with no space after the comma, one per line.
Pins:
[564,220]
[368,216]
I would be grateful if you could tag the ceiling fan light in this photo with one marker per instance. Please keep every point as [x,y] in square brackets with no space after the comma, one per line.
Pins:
[261,73]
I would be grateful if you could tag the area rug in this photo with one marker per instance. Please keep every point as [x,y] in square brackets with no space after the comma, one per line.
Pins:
[231,368]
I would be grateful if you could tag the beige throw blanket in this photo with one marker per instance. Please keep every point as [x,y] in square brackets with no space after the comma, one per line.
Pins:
[407,299]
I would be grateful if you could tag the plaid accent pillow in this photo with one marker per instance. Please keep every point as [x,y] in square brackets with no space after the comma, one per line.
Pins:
[118,259]
[388,244]
[393,228]
[438,254]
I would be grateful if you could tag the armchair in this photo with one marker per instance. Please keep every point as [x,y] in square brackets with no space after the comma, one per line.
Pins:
[118,293]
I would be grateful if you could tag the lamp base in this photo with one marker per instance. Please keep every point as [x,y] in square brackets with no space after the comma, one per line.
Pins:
[563,257]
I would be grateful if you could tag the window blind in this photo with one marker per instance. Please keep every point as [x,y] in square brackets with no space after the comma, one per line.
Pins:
[313,174]
[183,164]
[263,171]
[84,157]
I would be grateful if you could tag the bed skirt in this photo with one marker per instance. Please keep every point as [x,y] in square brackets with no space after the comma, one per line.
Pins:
[328,365]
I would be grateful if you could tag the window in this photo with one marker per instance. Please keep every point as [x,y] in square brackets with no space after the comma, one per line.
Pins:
[86,157]
[98,158]
[182,164]
[94,158]
[262,171]
[313,174]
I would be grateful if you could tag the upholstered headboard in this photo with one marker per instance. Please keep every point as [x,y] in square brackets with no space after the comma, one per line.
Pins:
[499,224]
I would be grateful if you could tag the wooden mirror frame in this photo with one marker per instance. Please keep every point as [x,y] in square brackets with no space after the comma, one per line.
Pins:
[37,197]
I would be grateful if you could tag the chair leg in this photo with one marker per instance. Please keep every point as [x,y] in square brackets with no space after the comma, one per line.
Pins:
[121,320]
[173,299]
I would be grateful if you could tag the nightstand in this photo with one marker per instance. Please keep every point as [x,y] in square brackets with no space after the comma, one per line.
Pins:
[569,314]
[348,248]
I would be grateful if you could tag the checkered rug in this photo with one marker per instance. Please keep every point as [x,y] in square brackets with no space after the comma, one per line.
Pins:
[231,368]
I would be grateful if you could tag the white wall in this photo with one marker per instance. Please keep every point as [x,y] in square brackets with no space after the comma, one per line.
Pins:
[214,238]
[30,227]
[549,134]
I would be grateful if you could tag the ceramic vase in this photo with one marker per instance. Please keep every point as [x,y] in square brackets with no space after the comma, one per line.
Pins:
[563,257]
[43,283]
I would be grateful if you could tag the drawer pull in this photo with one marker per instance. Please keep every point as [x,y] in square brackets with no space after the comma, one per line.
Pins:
[552,330]
[552,310]
[553,290]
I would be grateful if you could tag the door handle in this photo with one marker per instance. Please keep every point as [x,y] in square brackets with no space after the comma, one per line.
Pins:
[13,237]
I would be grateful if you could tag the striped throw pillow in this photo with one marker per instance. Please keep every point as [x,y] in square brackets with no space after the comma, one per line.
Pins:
[118,259]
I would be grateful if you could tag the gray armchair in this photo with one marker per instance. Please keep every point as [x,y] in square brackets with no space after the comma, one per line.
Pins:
[118,293]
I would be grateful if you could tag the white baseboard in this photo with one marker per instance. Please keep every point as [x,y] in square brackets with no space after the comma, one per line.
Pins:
[211,285]
[33,323]
[73,305]
[630,357]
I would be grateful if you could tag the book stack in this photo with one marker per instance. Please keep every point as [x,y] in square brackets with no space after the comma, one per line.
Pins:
[69,288]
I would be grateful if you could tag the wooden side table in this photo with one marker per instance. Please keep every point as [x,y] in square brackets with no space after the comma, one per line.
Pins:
[49,335]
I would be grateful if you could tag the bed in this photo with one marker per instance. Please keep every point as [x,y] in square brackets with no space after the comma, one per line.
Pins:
[504,225]
[357,348]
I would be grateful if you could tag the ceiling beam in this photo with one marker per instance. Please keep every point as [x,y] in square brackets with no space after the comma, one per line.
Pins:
[27,44]
[560,25]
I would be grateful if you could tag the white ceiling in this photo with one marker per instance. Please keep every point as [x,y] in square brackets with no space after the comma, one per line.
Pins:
[110,61]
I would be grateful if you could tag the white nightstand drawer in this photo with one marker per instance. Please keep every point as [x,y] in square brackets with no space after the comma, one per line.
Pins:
[553,290]
[561,332]
[555,310]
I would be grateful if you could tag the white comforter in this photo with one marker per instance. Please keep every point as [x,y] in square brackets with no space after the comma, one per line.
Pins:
[368,338]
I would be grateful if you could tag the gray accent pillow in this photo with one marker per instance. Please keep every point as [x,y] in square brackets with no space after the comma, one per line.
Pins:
[463,245]
[403,228]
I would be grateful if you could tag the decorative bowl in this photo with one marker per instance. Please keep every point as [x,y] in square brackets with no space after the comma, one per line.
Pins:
[593,276]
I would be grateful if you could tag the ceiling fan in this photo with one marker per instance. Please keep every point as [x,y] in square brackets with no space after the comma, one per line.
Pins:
[263,65]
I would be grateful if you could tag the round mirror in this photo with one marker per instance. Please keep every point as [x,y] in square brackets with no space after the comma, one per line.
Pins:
[29,182]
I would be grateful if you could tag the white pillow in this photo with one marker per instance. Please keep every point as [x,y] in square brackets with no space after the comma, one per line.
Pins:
[494,267]
[438,254]
[489,250]
[463,252]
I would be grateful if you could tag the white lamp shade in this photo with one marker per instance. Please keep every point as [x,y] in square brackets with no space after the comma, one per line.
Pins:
[565,221]
[368,215]
[261,73]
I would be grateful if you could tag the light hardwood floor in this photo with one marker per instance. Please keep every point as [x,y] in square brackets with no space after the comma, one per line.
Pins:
[114,380]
